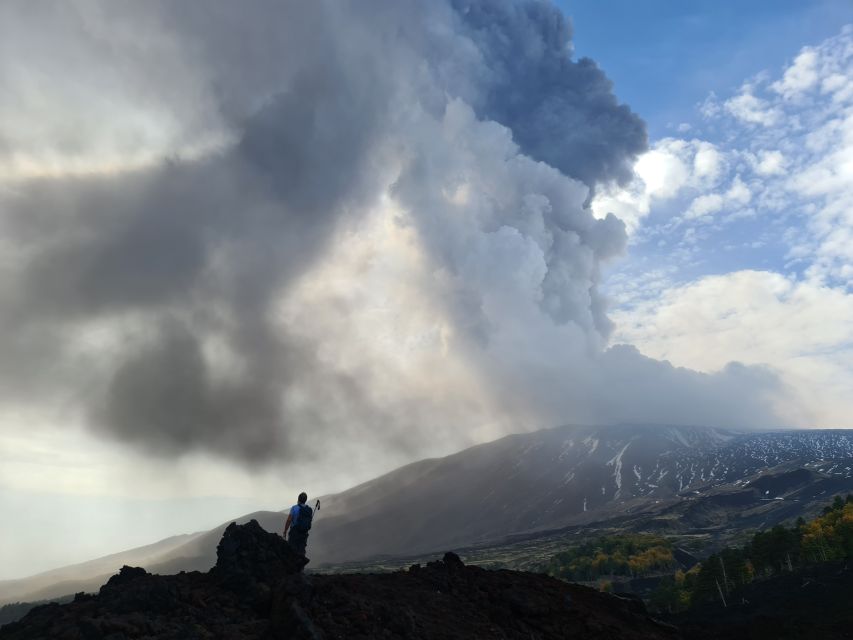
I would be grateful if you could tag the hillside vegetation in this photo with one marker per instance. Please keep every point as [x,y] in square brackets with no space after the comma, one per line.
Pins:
[626,555]
[779,550]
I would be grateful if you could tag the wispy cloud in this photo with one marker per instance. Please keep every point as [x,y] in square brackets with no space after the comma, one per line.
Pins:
[784,193]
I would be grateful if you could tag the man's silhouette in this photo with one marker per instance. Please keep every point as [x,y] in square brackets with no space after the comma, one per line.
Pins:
[299,523]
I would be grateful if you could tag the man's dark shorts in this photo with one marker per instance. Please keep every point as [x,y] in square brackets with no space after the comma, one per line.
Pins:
[298,540]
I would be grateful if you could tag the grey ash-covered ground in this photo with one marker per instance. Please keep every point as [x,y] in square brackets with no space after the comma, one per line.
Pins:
[257,590]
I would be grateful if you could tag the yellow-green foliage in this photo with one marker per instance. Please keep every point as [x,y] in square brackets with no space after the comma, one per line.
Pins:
[718,577]
[829,537]
[781,549]
[628,555]
[673,593]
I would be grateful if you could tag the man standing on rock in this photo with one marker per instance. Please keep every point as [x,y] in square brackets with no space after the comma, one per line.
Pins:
[299,523]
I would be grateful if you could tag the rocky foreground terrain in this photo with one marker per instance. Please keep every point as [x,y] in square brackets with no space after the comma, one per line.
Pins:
[257,590]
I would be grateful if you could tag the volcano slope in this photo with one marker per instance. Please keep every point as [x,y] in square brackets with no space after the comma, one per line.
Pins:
[257,590]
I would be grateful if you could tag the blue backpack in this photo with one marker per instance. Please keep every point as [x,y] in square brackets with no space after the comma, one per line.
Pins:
[303,522]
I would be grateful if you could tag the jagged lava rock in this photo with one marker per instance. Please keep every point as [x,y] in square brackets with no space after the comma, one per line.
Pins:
[448,599]
[248,551]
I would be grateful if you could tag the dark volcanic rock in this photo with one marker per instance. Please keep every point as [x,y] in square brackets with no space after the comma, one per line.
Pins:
[257,590]
[450,600]
[248,552]
[124,576]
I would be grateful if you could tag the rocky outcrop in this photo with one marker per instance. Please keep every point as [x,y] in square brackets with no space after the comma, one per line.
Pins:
[252,553]
[257,590]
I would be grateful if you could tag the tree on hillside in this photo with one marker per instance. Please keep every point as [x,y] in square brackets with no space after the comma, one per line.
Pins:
[720,575]
[775,550]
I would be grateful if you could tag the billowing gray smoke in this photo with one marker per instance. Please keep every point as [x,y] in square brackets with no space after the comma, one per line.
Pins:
[560,111]
[387,243]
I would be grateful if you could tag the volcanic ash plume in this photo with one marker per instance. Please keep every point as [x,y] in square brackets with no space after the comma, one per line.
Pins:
[279,229]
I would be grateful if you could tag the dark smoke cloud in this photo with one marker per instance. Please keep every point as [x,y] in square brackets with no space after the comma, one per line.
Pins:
[150,300]
[198,249]
[560,111]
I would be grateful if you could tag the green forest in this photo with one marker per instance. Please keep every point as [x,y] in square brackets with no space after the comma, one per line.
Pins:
[780,549]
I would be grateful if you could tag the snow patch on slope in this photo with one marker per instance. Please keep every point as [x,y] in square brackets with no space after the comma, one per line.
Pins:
[616,462]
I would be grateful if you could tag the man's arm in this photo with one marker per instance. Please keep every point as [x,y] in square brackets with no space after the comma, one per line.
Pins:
[287,524]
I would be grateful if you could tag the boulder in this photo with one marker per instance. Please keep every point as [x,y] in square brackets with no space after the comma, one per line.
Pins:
[249,552]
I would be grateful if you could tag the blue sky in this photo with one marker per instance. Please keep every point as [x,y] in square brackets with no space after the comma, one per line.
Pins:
[665,56]
[751,260]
